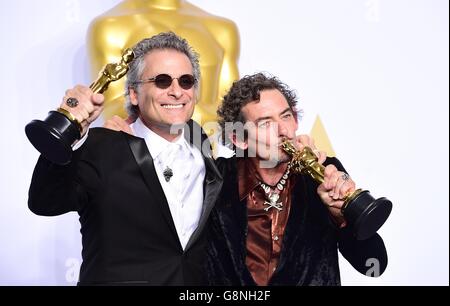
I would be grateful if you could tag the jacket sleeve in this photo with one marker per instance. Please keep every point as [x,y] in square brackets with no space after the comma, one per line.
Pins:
[368,256]
[56,189]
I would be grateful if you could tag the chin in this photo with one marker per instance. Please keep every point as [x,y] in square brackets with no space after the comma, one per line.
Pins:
[176,125]
[283,157]
[177,120]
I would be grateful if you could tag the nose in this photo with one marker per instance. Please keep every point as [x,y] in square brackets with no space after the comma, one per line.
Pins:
[283,131]
[175,90]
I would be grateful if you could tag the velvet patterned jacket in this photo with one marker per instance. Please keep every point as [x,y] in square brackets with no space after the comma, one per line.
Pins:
[309,254]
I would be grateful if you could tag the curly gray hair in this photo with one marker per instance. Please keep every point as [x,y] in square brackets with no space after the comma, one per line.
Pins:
[166,40]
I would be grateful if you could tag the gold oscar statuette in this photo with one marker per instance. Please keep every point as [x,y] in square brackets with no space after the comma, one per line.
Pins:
[54,136]
[364,214]
[215,38]
[112,72]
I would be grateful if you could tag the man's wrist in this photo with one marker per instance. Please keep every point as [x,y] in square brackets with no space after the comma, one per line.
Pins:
[80,142]
[337,217]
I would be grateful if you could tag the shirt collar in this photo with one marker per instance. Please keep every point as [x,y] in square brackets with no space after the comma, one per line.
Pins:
[155,143]
[248,178]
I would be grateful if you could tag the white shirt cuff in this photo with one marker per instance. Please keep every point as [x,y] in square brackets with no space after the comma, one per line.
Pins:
[80,142]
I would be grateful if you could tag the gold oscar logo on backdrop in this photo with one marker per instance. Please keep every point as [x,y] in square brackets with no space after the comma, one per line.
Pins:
[216,39]
[320,136]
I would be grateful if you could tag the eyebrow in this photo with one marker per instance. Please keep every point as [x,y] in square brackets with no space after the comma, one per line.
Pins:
[288,109]
[262,119]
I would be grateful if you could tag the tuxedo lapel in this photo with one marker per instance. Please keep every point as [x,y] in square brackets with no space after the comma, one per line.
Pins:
[212,184]
[145,162]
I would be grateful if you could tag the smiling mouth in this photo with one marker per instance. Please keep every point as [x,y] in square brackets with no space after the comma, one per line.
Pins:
[172,106]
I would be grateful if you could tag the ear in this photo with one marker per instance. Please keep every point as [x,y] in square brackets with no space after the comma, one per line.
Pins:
[296,113]
[239,143]
[133,96]
[196,95]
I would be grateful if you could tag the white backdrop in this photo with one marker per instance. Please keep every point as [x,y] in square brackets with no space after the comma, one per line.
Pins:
[376,71]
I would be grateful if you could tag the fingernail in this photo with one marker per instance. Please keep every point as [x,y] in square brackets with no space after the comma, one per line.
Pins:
[331,194]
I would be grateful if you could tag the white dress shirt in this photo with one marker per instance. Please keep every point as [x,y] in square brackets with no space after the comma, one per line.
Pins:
[184,190]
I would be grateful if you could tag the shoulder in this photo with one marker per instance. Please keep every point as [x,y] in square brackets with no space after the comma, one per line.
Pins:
[112,22]
[227,166]
[102,132]
[102,137]
[106,147]
[222,25]
[196,136]
[225,31]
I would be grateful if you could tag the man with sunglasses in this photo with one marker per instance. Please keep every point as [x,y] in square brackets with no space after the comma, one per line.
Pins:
[143,200]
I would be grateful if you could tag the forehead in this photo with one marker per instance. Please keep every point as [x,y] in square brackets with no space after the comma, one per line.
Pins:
[167,61]
[271,103]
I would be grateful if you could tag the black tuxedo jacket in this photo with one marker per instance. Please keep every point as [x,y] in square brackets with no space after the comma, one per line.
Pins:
[128,234]
[309,254]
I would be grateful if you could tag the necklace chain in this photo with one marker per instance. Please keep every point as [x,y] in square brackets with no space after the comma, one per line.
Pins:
[274,196]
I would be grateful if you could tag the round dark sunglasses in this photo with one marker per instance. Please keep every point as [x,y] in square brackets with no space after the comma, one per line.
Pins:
[163,81]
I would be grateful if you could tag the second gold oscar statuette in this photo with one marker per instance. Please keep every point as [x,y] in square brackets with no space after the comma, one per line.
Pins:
[364,213]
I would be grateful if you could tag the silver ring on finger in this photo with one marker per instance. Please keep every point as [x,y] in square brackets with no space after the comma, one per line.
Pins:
[345,177]
[72,102]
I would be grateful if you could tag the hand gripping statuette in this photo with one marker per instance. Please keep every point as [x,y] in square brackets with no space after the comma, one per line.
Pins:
[54,136]
[364,214]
